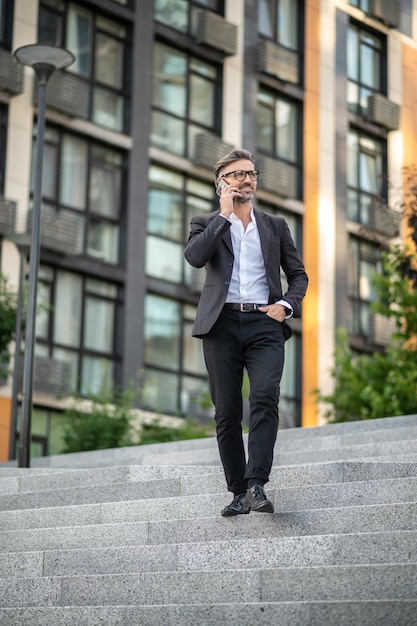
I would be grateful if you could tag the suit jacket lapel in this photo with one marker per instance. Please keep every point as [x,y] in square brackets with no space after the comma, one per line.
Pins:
[226,237]
[264,232]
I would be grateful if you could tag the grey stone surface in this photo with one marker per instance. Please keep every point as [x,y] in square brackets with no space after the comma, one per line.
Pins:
[380,613]
[127,543]
[161,588]
[67,537]
[394,581]
[134,455]
[24,564]
[65,616]
[51,517]
[346,494]
[112,492]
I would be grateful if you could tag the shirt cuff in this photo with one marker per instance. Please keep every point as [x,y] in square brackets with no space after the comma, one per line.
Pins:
[286,305]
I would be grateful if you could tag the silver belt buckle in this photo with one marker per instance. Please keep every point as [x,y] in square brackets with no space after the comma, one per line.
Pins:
[246,307]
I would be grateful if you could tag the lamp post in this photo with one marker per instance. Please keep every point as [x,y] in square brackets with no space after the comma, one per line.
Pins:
[44,60]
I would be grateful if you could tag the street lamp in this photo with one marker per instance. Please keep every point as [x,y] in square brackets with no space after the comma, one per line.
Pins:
[44,59]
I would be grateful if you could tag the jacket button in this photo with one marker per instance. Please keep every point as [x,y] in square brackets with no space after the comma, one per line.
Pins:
[227,282]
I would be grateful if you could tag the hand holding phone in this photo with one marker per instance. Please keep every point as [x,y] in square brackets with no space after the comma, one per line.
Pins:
[222,183]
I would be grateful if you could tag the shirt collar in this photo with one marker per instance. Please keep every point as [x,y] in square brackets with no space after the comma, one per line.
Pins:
[234,218]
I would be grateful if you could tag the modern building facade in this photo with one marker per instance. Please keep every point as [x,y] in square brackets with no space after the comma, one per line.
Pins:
[324,93]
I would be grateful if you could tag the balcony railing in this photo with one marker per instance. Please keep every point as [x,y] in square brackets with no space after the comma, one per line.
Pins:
[50,376]
[208,148]
[386,11]
[278,176]
[11,73]
[214,31]
[384,220]
[380,329]
[68,94]
[383,112]
[60,232]
[8,216]
[278,61]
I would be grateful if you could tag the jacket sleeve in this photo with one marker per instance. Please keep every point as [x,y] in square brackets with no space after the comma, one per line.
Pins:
[204,239]
[294,270]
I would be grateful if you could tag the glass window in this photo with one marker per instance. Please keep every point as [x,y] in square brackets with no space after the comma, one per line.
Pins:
[277,126]
[6,23]
[175,373]
[360,4]
[363,263]
[278,20]
[366,175]
[47,431]
[180,14]
[161,331]
[172,200]
[78,323]
[73,183]
[185,98]
[3,137]
[366,67]
[67,326]
[85,180]
[99,45]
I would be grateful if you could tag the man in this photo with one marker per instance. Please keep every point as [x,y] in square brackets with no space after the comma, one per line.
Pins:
[241,320]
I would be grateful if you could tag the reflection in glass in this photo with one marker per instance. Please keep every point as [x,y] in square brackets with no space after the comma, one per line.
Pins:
[164,259]
[99,323]
[67,311]
[79,39]
[73,181]
[109,61]
[162,327]
[103,241]
[108,109]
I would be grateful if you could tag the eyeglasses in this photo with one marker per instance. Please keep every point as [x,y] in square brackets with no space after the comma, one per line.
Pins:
[241,174]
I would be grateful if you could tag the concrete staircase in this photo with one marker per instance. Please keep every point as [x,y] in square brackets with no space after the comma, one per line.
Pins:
[134,537]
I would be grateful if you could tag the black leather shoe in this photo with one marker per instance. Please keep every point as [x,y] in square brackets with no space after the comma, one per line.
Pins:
[235,507]
[256,500]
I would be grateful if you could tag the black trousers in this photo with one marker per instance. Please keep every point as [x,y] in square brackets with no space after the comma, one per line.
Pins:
[256,342]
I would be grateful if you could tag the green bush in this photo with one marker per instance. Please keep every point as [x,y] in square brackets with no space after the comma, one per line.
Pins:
[109,423]
[382,384]
[8,314]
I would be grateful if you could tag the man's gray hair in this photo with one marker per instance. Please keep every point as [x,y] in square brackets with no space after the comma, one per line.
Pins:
[235,155]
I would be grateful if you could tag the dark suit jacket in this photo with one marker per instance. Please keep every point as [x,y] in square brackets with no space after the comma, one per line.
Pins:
[210,246]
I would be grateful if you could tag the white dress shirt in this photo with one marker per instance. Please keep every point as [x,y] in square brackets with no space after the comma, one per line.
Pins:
[248,282]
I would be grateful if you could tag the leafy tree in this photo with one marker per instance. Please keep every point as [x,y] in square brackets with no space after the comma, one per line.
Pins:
[381,384]
[106,423]
[8,314]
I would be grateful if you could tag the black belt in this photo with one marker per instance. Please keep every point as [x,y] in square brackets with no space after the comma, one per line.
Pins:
[244,307]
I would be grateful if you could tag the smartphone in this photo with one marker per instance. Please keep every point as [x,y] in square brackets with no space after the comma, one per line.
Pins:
[220,186]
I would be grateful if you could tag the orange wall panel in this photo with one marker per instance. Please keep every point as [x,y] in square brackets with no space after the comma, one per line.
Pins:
[311,197]
[5,417]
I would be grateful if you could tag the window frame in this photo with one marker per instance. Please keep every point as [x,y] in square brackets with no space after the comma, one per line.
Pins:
[191,7]
[361,30]
[47,343]
[86,213]
[278,96]
[360,193]
[358,304]
[91,80]
[187,121]
[299,12]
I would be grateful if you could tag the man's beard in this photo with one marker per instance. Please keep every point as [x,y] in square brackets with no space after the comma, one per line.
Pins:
[243,198]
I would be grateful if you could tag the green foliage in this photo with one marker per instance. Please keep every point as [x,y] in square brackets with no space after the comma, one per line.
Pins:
[8,313]
[109,423]
[382,384]
[155,432]
[106,424]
